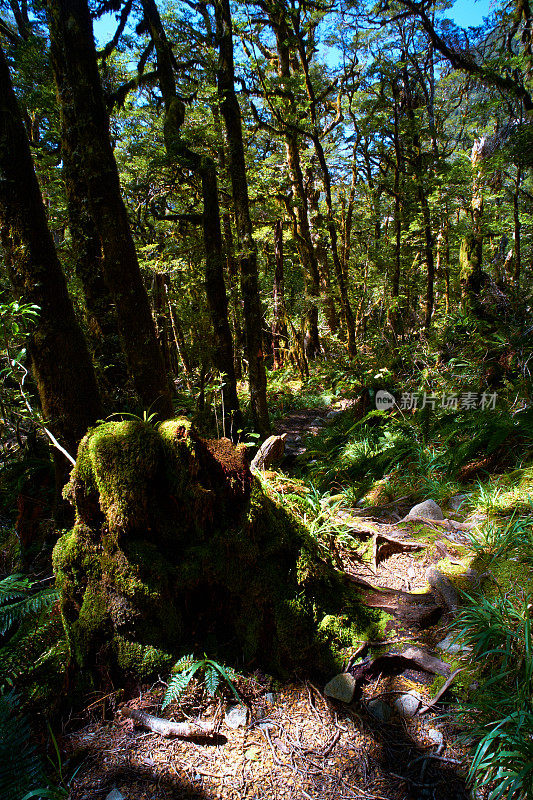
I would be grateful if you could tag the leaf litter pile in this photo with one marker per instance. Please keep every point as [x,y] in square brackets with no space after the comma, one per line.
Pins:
[390,742]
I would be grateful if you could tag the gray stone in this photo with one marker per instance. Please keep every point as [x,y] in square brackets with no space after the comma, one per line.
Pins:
[317,423]
[407,704]
[428,509]
[455,502]
[476,519]
[236,716]
[380,710]
[449,645]
[333,414]
[341,687]
[435,736]
[114,794]
[442,589]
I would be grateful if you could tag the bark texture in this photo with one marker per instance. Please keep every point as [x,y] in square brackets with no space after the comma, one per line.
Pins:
[59,357]
[231,113]
[72,47]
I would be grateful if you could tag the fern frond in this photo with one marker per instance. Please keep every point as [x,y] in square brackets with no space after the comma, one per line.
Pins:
[184,663]
[22,605]
[212,680]
[14,587]
[20,766]
[179,683]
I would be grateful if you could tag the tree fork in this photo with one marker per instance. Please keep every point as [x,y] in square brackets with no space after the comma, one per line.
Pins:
[72,45]
[214,254]
[231,114]
[59,356]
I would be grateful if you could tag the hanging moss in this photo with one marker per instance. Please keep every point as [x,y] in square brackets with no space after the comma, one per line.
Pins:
[176,547]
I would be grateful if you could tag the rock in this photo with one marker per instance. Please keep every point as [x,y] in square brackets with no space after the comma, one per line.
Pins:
[114,794]
[428,510]
[333,414]
[436,737]
[341,687]
[476,519]
[442,589]
[317,423]
[407,704]
[270,451]
[449,645]
[455,502]
[236,717]
[380,710]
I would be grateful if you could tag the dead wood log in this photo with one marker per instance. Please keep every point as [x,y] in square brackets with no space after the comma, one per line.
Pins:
[426,661]
[164,727]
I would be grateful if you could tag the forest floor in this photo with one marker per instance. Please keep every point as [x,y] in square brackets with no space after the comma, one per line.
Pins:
[296,742]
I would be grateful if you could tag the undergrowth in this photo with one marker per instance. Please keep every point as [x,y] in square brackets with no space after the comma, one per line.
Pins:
[497,626]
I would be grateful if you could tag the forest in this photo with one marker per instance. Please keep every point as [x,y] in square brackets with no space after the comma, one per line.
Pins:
[266,402]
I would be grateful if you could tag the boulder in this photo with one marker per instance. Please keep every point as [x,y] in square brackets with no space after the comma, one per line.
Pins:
[426,510]
[341,687]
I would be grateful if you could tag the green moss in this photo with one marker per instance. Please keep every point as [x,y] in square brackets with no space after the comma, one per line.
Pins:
[458,574]
[143,661]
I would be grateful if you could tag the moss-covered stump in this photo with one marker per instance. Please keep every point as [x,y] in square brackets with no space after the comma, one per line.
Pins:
[176,547]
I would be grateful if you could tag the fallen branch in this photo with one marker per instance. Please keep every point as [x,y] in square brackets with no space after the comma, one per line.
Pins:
[185,730]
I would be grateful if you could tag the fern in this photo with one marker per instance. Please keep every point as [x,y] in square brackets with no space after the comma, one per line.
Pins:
[212,680]
[187,667]
[20,766]
[18,599]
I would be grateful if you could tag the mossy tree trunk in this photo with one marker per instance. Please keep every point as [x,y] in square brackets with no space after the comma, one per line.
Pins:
[73,50]
[247,247]
[101,319]
[277,16]
[279,326]
[176,547]
[59,357]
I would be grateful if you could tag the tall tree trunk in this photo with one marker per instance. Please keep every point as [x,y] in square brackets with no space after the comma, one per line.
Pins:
[279,327]
[59,357]
[100,314]
[517,226]
[161,282]
[247,247]
[212,234]
[471,251]
[304,243]
[326,179]
[316,223]
[179,341]
[428,254]
[72,46]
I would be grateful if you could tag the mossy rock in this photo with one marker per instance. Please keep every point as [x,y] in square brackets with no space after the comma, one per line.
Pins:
[177,548]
